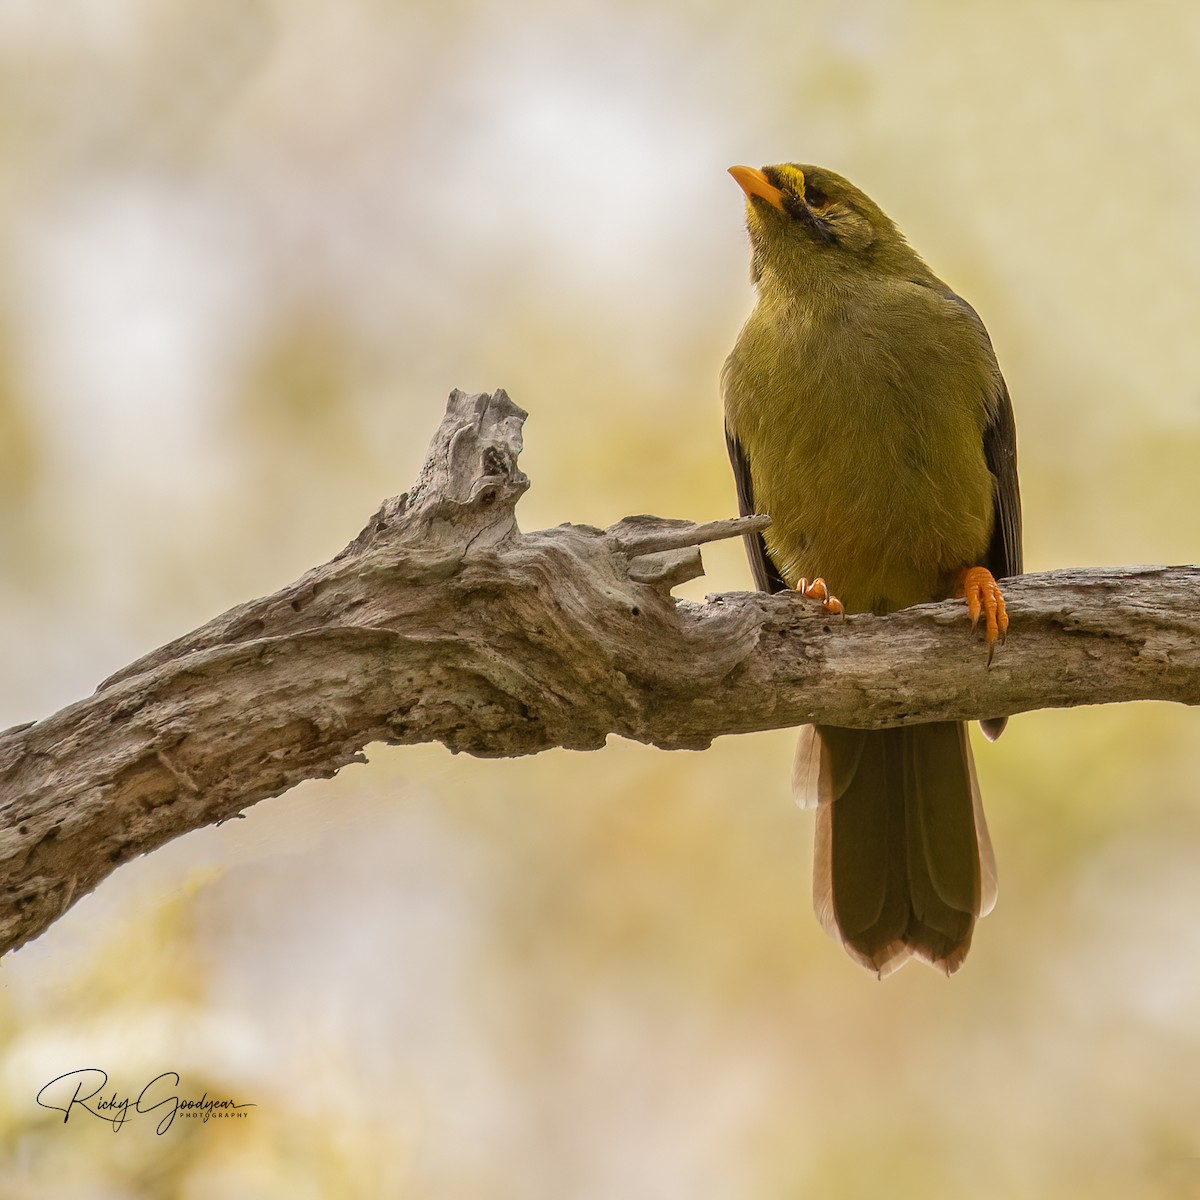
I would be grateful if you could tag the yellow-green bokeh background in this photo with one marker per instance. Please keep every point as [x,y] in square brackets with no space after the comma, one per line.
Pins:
[246,247]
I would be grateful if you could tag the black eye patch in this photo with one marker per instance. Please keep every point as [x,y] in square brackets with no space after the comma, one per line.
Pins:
[815,198]
[802,212]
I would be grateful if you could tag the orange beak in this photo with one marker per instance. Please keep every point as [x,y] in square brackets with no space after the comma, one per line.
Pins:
[755,183]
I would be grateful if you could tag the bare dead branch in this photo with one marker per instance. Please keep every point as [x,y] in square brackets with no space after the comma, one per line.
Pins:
[442,621]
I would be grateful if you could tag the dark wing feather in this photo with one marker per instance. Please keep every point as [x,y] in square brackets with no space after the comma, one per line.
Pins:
[762,567]
[1004,557]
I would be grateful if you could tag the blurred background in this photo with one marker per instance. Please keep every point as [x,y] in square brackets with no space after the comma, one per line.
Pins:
[246,248]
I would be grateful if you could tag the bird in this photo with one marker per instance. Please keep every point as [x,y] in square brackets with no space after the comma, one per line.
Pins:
[866,415]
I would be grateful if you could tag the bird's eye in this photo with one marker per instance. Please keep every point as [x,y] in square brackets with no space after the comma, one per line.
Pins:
[815,198]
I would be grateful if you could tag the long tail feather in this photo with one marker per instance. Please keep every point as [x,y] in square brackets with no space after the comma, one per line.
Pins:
[903,863]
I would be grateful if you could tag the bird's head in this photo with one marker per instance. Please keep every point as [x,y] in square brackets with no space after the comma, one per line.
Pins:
[808,225]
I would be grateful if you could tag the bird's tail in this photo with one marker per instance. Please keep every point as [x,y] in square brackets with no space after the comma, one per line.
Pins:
[903,861]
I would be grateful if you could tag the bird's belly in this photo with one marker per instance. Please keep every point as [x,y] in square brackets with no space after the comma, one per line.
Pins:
[884,504]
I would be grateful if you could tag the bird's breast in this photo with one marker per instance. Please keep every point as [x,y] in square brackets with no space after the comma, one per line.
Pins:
[864,437]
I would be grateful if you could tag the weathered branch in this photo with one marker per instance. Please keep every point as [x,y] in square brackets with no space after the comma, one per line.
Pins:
[443,622]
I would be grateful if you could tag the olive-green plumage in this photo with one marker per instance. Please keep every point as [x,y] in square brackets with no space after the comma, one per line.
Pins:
[866,414]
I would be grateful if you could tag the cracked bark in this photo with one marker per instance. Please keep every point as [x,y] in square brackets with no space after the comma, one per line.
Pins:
[442,621]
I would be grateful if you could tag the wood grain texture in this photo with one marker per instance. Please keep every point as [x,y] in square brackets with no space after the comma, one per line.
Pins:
[443,622]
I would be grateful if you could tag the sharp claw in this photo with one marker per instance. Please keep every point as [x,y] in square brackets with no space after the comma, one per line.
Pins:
[817,589]
[984,599]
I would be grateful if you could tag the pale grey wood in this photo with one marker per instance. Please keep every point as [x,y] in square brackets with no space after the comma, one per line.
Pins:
[442,621]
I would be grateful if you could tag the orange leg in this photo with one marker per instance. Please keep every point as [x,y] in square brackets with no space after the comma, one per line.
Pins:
[985,599]
[818,591]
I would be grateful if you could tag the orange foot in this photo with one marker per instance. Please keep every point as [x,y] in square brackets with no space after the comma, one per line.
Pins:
[985,599]
[818,591]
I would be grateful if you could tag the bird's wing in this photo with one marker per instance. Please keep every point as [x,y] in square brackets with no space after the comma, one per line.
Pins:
[767,577]
[1004,557]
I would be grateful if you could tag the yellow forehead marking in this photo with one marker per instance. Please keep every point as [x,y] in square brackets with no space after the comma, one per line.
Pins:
[792,177]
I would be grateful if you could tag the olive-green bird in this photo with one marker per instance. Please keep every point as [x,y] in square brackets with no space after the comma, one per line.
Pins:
[866,415]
